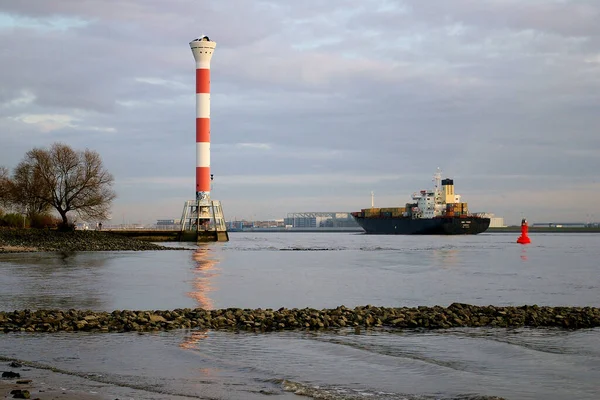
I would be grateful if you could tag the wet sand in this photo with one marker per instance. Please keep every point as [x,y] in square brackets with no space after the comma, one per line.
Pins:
[16,249]
[48,385]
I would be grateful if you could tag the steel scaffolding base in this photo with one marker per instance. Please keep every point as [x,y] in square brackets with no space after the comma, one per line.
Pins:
[203,221]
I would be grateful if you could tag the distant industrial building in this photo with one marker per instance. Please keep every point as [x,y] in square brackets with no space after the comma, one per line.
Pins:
[565,225]
[168,224]
[495,222]
[248,225]
[163,222]
[320,220]
[239,225]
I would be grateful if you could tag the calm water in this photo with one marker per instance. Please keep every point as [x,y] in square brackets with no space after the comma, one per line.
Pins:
[323,270]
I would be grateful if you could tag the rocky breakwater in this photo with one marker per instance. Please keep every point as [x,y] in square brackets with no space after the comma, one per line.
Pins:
[21,240]
[437,317]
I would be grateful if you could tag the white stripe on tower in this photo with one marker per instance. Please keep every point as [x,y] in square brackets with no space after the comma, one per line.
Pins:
[202,48]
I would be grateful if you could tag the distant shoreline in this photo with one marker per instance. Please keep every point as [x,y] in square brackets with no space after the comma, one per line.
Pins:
[510,229]
[546,229]
[33,240]
[296,230]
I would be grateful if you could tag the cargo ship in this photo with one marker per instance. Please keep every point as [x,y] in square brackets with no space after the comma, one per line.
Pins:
[432,212]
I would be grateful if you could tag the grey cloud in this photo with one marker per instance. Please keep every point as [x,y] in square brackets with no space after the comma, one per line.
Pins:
[154,22]
[488,90]
[566,18]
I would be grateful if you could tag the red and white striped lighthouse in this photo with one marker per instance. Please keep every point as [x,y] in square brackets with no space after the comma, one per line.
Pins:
[203,48]
[202,219]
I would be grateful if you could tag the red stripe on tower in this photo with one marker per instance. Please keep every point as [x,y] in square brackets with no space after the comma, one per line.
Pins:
[202,48]
[203,80]
[202,130]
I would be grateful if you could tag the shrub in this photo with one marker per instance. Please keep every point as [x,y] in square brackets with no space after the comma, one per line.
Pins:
[12,220]
[42,221]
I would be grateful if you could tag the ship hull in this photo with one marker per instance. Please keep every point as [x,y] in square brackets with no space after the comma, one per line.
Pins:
[423,226]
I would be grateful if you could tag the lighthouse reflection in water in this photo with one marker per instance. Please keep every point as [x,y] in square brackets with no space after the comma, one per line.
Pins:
[204,271]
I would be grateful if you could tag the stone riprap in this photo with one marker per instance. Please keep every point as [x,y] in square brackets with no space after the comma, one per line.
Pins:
[22,240]
[437,317]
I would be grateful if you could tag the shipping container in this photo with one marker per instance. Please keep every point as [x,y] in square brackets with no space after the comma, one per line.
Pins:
[400,211]
[371,211]
[393,211]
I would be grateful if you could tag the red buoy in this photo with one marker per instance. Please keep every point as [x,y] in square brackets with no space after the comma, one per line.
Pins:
[524,239]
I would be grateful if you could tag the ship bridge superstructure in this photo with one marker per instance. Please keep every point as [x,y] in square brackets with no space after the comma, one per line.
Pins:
[436,202]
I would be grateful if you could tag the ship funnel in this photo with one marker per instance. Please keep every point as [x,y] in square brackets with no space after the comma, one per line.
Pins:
[448,196]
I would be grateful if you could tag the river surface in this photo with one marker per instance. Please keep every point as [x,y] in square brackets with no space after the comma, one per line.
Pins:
[319,270]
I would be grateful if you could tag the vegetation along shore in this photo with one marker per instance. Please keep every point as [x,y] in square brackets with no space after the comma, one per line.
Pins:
[259,320]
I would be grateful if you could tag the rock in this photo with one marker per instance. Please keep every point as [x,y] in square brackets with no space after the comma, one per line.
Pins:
[457,315]
[81,324]
[10,374]
[157,318]
[19,240]
[15,364]
[20,394]
[23,381]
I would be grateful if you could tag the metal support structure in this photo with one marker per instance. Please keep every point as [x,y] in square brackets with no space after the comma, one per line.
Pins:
[203,221]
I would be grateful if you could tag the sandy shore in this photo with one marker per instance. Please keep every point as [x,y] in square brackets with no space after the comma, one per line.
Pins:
[46,385]
[16,249]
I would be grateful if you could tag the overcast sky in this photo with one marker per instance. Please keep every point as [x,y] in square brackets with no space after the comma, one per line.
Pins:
[315,103]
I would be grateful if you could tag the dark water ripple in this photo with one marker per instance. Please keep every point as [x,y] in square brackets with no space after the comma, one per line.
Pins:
[320,271]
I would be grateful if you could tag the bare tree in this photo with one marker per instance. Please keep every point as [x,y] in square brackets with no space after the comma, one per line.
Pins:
[27,191]
[70,181]
[4,186]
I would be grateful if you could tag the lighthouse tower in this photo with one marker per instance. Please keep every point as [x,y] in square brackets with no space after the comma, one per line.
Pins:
[202,218]
[202,48]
